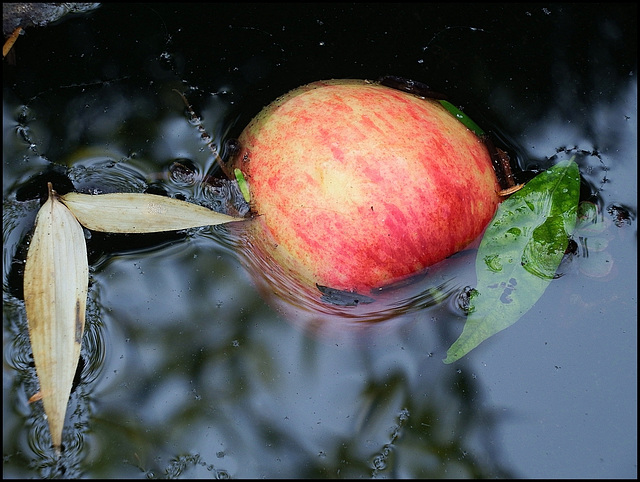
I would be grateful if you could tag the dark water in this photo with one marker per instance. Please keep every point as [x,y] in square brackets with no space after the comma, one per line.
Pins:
[187,371]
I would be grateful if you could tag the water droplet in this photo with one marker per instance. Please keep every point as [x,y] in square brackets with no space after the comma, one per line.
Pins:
[379,463]
[183,172]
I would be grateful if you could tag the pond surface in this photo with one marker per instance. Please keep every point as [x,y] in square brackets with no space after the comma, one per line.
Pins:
[188,371]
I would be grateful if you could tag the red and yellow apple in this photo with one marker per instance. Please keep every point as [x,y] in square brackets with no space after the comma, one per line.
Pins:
[356,185]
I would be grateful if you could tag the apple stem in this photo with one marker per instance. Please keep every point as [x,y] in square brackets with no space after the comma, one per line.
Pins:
[501,164]
[205,136]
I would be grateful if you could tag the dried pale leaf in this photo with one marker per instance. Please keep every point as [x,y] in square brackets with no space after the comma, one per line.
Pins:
[139,213]
[56,278]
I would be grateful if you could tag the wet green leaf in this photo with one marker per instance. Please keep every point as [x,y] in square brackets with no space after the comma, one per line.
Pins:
[520,253]
[462,117]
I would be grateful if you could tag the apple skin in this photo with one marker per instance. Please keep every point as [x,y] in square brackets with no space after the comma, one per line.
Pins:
[356,185]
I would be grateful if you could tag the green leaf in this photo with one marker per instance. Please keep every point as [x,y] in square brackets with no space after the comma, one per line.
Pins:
[462,117]
[242,184]
[520,253]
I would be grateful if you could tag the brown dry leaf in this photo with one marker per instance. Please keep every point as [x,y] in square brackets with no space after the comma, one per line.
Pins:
[139,213]
[56,278]
[8,44]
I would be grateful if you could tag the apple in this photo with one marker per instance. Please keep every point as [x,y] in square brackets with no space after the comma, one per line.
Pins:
[355,186]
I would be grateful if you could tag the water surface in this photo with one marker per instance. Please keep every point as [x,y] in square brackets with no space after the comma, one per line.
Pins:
[188,371]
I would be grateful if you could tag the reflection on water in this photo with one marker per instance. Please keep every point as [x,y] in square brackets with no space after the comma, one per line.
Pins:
[33,433]
[186,368]
[345,316]
[177,337]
